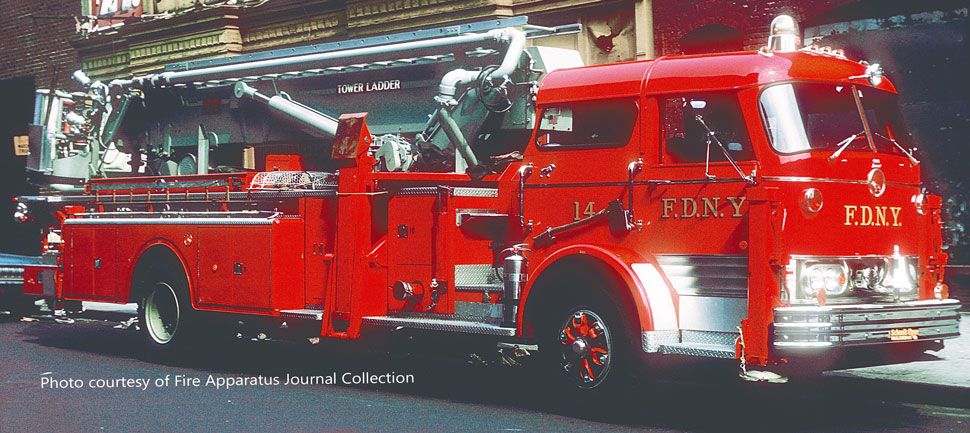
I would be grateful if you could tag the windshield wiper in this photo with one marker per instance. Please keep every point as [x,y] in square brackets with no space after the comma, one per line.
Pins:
[912,158]
[845,144]
[711,136]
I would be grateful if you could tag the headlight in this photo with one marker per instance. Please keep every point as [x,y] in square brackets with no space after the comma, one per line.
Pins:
[856,279]
[832,277]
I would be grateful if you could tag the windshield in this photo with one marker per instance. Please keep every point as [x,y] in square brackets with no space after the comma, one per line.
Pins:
[803,117]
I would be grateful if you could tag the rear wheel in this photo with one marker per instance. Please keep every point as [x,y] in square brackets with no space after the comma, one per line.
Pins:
[165,316]
[162,313]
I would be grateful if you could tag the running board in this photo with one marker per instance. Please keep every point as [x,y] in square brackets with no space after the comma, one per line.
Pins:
[698,349]
[316,315]
[436,324]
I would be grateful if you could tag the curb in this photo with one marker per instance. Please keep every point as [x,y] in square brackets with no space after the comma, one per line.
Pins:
[908,392]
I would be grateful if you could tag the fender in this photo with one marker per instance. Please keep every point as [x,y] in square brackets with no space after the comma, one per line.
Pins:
[175,251]
[621,261]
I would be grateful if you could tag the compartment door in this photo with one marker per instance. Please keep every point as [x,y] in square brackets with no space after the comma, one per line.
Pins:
[215,266]
[93,262]
[250,268]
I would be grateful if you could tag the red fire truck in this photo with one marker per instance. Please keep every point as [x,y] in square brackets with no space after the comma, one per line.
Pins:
[763,206]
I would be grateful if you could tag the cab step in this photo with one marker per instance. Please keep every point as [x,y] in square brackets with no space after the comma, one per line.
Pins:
[699,349]
[440,324]
[304,314]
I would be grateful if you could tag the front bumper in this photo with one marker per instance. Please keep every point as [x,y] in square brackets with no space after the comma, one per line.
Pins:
[820,327]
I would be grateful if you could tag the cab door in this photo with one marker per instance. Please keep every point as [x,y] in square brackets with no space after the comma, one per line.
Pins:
[698,208]
[580,157]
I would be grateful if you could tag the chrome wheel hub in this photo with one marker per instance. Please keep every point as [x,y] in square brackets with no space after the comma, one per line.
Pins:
[580,347]
[585,348]
[162,313]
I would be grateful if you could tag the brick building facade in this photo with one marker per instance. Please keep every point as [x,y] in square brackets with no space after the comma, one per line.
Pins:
[921,45]
[36,39]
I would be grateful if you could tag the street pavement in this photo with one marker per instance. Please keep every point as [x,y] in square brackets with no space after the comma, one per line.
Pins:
[947,368]
[449,393]
[944,370]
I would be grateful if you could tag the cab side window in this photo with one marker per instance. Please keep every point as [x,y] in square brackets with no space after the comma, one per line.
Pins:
[691,121]
[607,123]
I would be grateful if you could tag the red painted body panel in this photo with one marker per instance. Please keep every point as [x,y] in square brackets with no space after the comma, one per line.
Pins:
[696,73]
[321,220]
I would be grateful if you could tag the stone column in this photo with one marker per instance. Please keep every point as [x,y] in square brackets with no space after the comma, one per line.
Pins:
[644,28]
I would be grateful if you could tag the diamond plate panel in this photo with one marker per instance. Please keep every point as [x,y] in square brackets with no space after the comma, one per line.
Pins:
[477,278]
[475,192]
[702,350]
[652,340]
[478,311]
[706,337]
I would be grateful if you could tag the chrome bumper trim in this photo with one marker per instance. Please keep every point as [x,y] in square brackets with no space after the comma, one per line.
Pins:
[813,327]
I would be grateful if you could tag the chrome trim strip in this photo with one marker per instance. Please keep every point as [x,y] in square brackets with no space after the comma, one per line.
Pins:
[856,257]
[172,197]
[160,184]
[882,307]
[805,345]
[803,325]
[441,324]
[825,180]
[136,214]
[635,183]
[171,221]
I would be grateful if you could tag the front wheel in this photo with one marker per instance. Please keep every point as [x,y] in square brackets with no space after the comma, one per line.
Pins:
[584,349]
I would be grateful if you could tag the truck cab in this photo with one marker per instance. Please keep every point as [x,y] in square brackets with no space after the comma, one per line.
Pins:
[770,205]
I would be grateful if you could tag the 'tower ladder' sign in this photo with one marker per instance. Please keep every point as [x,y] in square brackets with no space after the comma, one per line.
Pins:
[373,86]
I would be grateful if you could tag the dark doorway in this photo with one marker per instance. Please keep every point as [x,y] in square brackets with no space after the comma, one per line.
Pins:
[16,112]
[714,38]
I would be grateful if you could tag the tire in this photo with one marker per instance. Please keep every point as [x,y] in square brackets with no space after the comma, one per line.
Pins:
[584,349]
[165,318]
